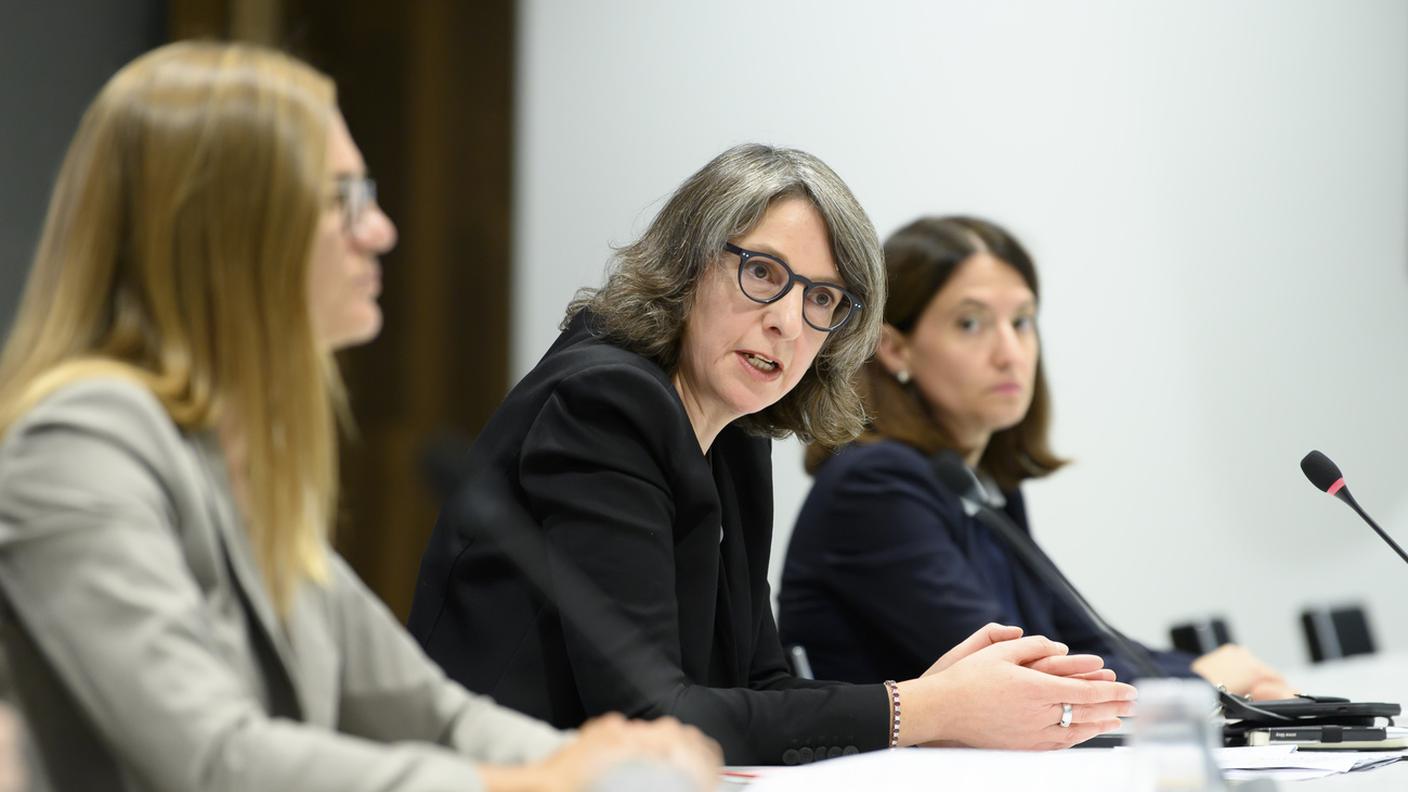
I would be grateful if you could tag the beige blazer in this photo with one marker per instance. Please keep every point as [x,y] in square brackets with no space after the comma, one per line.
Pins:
[147,656]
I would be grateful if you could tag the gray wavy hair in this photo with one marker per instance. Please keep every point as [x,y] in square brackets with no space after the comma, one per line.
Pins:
[651,283]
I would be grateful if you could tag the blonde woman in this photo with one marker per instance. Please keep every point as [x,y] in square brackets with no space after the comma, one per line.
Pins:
[175,618]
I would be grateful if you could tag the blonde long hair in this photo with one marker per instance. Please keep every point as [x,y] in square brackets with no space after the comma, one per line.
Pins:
[175,252]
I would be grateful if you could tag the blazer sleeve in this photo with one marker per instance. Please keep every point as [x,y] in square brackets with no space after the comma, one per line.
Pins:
[91,563]
[770,669]
[391,692]
[594,472]
[890,552]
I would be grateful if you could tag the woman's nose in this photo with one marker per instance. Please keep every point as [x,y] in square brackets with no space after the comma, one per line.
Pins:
[376,232]
[785,315]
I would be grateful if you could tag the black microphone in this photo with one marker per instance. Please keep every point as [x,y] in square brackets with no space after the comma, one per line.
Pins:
[1326,476]
[957,478]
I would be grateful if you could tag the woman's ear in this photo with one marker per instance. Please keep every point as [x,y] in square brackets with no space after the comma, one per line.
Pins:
[893,351]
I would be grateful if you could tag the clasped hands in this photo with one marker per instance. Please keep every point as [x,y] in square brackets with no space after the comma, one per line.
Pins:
[998,689]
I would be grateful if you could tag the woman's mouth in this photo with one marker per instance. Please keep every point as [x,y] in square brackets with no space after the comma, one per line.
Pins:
[761,365]
[371,281]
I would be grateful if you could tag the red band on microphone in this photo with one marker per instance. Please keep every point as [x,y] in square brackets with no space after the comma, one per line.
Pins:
[1337,486]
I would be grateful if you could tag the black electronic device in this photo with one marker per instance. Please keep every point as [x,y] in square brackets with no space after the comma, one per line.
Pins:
[1287,711]
[1252,722]
[1347,738]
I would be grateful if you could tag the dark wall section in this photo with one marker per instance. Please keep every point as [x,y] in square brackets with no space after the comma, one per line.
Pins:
[53,59]
[427,90]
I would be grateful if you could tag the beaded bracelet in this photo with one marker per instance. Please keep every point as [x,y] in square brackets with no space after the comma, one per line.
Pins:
[894,690]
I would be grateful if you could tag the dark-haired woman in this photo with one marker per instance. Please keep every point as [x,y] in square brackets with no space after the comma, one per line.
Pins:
[886,566]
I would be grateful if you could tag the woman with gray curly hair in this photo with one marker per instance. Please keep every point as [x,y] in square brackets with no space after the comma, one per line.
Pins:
[610,549]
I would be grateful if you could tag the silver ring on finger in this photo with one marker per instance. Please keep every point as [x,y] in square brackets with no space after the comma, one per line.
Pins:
[1066,713]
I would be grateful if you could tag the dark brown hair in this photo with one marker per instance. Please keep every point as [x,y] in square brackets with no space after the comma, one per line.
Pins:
[919,259]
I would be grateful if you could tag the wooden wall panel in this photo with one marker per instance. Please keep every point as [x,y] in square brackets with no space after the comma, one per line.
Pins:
[427,89]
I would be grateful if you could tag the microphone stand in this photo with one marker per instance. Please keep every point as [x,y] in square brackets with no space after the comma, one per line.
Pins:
[1344,495]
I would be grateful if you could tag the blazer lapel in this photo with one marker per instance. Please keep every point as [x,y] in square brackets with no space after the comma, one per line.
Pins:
[271,642]
[735,606]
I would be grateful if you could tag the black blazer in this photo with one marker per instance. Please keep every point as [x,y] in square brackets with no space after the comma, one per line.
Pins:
[885,572]
[627,516]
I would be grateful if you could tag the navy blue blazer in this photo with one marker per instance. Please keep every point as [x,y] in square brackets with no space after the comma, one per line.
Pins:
[624,511]
[885,572]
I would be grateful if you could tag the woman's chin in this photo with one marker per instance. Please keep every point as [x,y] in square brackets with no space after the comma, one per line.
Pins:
[365,328]
[1000,423]
[750,406]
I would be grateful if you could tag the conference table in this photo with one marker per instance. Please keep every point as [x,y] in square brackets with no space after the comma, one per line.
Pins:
[1381,677]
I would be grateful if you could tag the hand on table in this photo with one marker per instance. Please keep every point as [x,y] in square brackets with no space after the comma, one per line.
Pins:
[1242,672]
[611,744]
[12,776]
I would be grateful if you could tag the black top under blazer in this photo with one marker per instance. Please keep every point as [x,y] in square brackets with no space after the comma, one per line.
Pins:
[878,528]
[595,447]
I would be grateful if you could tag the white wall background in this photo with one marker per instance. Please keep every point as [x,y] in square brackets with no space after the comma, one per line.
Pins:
[1216,194]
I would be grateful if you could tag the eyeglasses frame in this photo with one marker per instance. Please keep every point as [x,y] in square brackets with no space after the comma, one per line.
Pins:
[792,278]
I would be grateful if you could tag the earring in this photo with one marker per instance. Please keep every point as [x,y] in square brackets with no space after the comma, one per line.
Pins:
[902,376]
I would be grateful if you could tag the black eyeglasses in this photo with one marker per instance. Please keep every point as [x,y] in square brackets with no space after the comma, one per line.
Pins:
[766,279]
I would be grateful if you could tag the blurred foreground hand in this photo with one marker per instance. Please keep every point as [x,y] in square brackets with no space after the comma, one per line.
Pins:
[1243,673]
[12,775]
